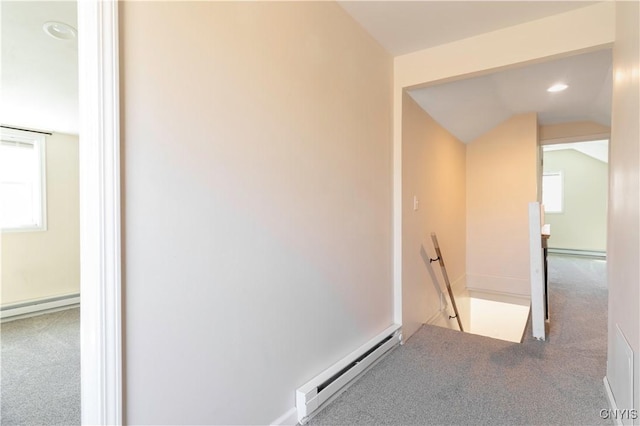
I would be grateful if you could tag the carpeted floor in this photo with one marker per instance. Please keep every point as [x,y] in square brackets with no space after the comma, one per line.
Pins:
[444,377]
[40,377]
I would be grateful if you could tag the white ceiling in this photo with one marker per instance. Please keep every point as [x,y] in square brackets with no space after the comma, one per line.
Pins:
[406,26]
[468,108]
[39,73]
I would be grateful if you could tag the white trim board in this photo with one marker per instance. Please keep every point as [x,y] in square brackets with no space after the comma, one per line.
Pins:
[611,400]
[573,139]
[290,418]
[536,266]
[100,238]
[435,318]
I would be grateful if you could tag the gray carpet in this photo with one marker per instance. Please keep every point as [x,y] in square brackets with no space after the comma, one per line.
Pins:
[40,378]
[444,377]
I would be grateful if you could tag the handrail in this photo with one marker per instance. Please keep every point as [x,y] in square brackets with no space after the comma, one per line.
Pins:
[434,238]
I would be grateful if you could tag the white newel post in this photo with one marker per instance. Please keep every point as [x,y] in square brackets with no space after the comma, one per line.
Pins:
[536,272]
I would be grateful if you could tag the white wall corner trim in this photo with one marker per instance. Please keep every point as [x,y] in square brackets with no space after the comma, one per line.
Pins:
[537,272]
[100,259]
[611,400]
[290,418]
[397,204]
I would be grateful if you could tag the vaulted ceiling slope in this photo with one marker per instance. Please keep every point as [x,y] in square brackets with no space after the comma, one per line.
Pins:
[598,150]
[407,26]
[468,108]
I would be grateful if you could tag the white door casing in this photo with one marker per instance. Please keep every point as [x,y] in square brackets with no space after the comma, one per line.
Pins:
[100,237]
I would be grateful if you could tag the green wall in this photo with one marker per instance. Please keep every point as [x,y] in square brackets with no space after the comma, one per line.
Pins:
[583,223]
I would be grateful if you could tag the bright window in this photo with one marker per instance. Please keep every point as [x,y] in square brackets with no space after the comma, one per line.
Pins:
[552,192]
[22,181]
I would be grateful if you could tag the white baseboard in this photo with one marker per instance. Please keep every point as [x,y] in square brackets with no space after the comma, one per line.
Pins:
[433,319]
[290,418]
[459,285]
[441,316]
[38,307]
[612,402]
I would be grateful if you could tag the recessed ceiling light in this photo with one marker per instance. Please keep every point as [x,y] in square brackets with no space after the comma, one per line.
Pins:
[559,87]
[59,30]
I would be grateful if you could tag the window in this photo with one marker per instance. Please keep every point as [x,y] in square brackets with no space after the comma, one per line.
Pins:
[552,192]
[22,181]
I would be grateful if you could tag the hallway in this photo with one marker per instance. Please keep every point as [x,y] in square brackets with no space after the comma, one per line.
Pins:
[442,376]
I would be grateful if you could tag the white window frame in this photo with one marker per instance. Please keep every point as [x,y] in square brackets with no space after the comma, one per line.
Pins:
[560,174]
[38,140]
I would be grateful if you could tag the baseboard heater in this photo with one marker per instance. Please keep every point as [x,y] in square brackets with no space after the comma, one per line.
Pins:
[573,252]
[38,306]
[322,389]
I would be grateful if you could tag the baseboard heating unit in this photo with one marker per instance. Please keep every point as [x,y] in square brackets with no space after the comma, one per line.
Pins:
[324,388]
[38,306]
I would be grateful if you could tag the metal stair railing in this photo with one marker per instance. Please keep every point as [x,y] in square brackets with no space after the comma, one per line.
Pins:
[434,238]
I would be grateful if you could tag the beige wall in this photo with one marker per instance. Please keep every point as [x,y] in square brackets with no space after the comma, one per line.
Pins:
[583,223]
[43,264]
[434,171]
[501,181]
[187,106]
[574,131]
[257,186]
[623,249]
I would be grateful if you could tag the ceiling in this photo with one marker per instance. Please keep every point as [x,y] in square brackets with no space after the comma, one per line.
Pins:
[39,73]
[406,26]
[470,107]
[40,89]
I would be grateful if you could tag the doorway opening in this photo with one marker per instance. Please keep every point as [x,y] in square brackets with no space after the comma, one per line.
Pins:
[40,214]
[574,193]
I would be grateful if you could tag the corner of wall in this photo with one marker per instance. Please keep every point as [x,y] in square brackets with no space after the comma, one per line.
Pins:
[497,221]
[430,153]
